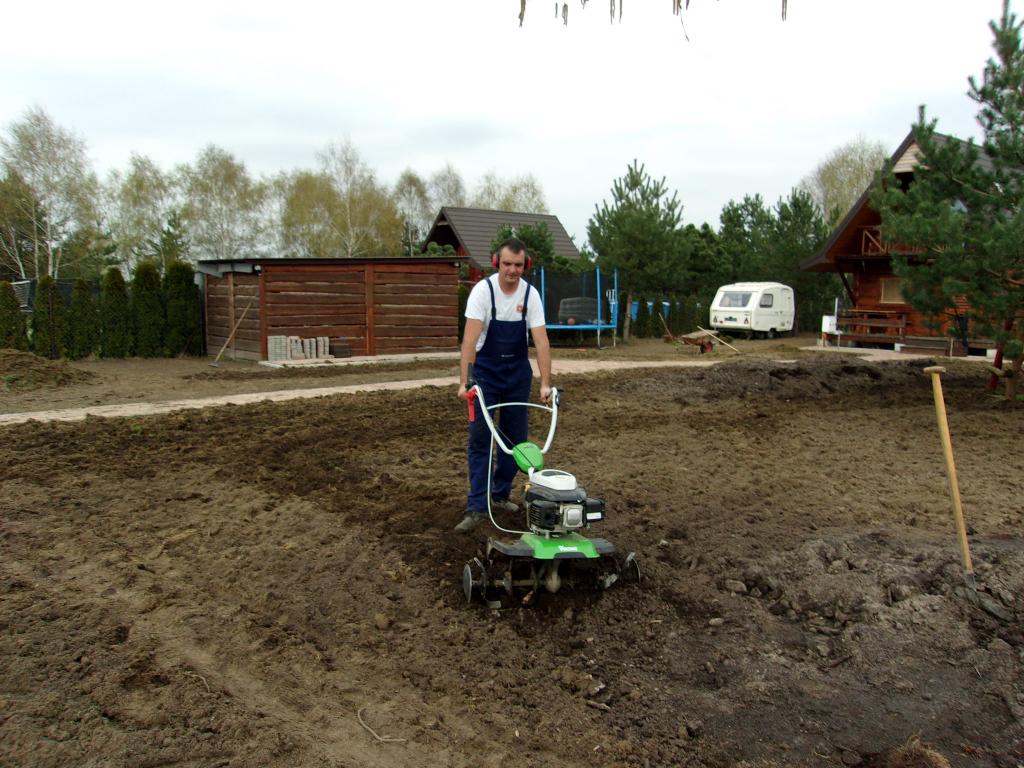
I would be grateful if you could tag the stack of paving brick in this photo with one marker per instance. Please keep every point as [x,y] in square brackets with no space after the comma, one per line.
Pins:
[277,348]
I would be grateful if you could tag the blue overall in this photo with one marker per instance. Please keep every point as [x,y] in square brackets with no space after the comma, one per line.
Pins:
[502,370]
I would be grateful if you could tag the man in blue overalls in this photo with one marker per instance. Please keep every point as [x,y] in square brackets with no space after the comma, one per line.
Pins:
[500,311]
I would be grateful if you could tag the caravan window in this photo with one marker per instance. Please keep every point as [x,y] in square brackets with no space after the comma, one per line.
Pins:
[735,299]
[766,300]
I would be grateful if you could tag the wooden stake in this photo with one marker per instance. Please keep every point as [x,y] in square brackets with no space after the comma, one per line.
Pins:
[216,362]
[947,448]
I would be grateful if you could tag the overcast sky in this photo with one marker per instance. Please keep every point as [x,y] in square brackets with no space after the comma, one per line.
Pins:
[749,105]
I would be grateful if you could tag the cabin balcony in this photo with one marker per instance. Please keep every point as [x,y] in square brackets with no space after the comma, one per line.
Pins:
[872,246]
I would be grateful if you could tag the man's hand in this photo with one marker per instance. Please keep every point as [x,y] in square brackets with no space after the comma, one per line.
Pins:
[545,394]
[463,392]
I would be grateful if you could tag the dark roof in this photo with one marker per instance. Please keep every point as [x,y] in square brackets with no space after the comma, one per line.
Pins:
[820,262]
[248,265]
[474,229]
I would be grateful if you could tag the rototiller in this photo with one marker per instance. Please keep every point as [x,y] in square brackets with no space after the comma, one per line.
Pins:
[552,552]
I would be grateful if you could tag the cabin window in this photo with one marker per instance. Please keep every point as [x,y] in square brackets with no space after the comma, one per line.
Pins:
[735,299]
[892,290]
[766,300]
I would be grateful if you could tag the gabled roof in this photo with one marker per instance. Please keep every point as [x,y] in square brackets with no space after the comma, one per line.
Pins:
[904,160]
[473,230]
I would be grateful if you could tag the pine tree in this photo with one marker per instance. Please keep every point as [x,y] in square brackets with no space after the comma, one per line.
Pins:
[960,222]
[12,322]
[115,317]
[183,324]
[49,320]
[147,305]
[83,321]
[640,234]
[172,245]
[643,319]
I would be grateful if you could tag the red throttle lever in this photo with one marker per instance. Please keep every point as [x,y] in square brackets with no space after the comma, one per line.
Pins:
[471,393]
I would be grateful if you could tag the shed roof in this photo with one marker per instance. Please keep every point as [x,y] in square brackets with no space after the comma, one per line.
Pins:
[474,229]
[249,265]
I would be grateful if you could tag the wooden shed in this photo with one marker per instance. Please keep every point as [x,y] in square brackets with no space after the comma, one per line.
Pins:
[377,306]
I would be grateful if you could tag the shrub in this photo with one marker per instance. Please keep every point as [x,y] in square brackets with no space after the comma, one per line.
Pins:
[642,327]
[463,300]
[115,319]
[182,303]
[83,321]
[49,320]
[13,334]
[147,310]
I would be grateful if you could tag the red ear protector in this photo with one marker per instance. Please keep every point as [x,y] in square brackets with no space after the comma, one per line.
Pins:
[526,267]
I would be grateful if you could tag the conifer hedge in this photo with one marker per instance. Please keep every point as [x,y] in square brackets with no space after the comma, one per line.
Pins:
[13,334]
[147,310]
[115,318]
[183,312]
[642,328]
[49,320]
[83,321]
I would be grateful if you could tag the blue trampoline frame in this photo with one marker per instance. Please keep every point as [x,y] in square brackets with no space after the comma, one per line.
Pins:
[612,324]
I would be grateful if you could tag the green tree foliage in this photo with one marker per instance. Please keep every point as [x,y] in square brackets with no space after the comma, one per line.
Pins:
[140,205]
[540,245]
[183,310]
[413,201]
[643,319]
[49,320]
[707,264]
[311,206]
[522,194]
[53,163]
[222,206]
[115,316]
[89,251]
[767,244]
[843,176]
[639,234]
[12,321]
[446,187]
[20,211]
[172,245]
[365,219]
[745,237]
[960,223]
[148,317]
[799,231]
[83,321]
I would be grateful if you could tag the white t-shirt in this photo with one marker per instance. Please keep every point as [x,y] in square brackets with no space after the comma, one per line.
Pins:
[478,306]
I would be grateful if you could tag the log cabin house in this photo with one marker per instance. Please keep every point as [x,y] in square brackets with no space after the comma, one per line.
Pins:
[376,306]
[877,314]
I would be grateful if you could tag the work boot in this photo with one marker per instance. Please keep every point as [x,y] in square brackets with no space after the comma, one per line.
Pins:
[470,521]
[504,505]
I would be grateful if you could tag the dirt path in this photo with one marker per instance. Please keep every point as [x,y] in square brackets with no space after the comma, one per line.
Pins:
[169,406]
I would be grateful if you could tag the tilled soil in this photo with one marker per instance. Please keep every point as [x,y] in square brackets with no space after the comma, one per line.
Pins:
[278,585]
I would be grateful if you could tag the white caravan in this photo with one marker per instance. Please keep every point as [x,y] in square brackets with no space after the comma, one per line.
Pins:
[754,309]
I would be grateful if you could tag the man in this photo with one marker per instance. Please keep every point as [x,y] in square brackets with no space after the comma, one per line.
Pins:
[500,311]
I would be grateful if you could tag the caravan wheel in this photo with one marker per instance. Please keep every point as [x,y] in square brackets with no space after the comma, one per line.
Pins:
[770,333]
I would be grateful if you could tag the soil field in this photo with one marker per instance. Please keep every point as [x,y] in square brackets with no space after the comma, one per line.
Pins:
[278,585]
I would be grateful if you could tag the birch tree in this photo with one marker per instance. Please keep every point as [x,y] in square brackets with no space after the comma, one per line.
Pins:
[52,162]
[222,206]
